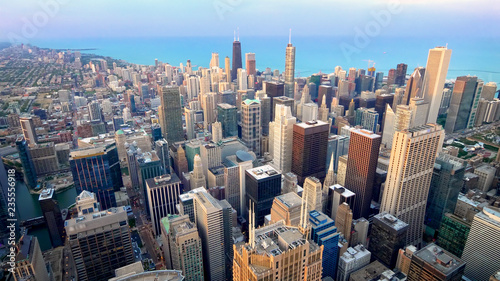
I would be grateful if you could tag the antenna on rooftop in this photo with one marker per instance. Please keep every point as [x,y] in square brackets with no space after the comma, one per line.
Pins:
[238,34]
[290,37]
[234,35]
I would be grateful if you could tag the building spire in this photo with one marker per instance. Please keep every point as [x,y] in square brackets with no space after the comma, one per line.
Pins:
[238,33]
[234,31]
[290,37]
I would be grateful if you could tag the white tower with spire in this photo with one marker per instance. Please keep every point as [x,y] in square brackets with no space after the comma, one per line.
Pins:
[197,177]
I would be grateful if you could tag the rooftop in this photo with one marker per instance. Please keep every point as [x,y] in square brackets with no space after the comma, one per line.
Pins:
[262,172]
[95,220]
[47,193]
[391,221]
[342,190]
[290,199]
[311,124]
[439,259]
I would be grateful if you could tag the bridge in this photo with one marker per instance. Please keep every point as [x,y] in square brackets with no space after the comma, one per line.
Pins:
[32,222]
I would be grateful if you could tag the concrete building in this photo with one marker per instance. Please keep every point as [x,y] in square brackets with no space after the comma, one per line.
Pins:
[29,261]
[483,245]
[336,195]
[182,246]
[352,260]
[435,264]
[251,124]
[44,158]
[286,207]
[197,177]
[409,177]
[313,192]
[100,243]
[262,185]
[135,272]
[28,128]
[486,174]
[404,258]
[162,196]
[343,220]
[281,138]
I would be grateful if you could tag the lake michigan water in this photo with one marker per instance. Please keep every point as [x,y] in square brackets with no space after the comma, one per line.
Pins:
[471,56]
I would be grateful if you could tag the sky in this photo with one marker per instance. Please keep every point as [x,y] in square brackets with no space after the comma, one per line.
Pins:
[43,19]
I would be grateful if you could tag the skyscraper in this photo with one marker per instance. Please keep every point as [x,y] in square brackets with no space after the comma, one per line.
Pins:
[290,69]
[227,116]
[409,176]
[343,220]
[30,264]
[250,63]
[251,125]
[281,138]
[387,236]
[435,76]
[162,194]
[400,79]
[214,62]
[313,192]
[435,264]
[324,233]
[461,104]
[446,183]
[95,111]
[287,207]
[209,221]
[53,217]
[262,185]
[182,246]
[97,169]
[227,63]
[414,86]
[100,243]
[171,121]
[483,245]
[197,177]
[310,144]
[237,63]
[361,167]
[28,127]
[29,172]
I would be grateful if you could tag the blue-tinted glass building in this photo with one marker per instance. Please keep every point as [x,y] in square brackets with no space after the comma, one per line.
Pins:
[30,176]
[324,232]
[97,169]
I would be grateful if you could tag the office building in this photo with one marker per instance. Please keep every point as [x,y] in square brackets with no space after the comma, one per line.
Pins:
[387,236]
[163,153]
[435,76]
[209,110]
[453,233]
[287,207]
[242,161]
[186,203]
[313,192]
[404,258]
[310,144]
[95,111]
[250,63]
[28,128]
[435,264]
[100,243]
[97,169]
[135,272]
[343,220]
[290,70]
[489,91]
[53,218]
[483,245]
[486,174]
[409,176]
[162,194]
[278,252]
[281,138]
[289,183]
[361,167]
[285,101]
[44,158]
[237,63]
[197,177]
[461,104]
[324,233]
[336,195]
[29,262]
[171,114]
[182,246]
[400,78]
[446,183]
[227,116]
[210,222]
[352,260]
[251,124]
[262,185]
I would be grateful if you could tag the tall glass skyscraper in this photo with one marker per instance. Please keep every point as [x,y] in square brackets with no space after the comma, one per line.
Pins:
[290,70]
[237,63]
[171,114]
[97,169]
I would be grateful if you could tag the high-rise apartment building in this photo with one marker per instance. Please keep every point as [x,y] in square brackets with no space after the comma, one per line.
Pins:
[483,245]
[171,114]
[182,246]
[100,243]
[409,176]
[310,145]
[97,169]
[281,138]
[290,70]
[435,76]
[162,194]
[251,124]
[361,167]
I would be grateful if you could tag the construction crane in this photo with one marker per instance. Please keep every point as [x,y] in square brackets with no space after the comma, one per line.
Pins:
[369,62]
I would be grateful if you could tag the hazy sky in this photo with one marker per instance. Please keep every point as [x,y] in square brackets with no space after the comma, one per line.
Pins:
[132,18]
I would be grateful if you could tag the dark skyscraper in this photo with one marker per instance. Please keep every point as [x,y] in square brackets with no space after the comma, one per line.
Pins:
[97,169]
[237,62]
[310,145]
[53,218]
[361,167]
[387,236]
[325,90]
[461,102]
[262,184]
[227,116]
[171,114]
[30,176]
[400,79]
